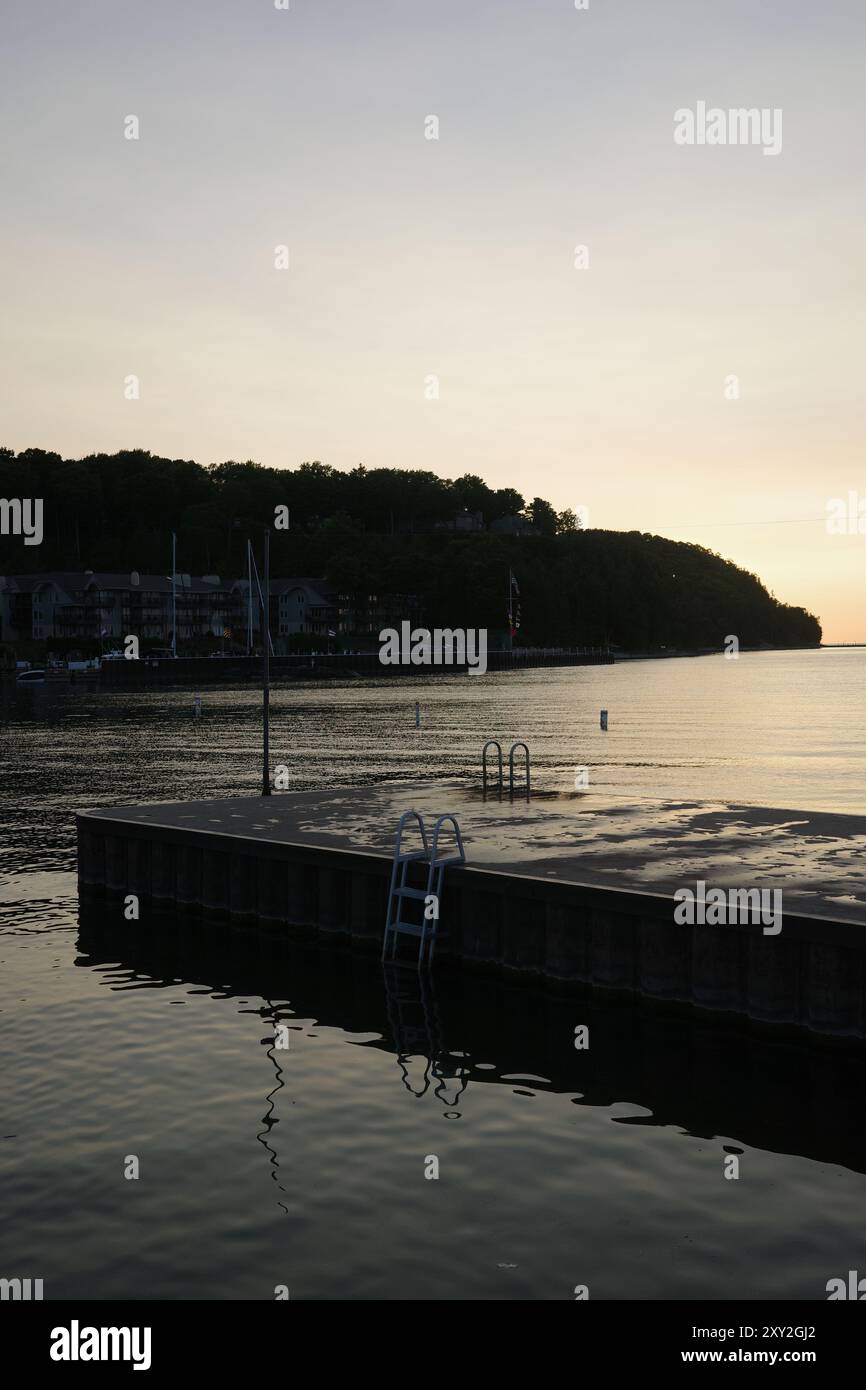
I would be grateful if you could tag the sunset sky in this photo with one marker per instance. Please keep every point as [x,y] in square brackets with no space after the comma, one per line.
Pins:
[601,387]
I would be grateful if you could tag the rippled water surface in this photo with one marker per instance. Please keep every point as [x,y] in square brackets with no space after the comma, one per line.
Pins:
[306,1166]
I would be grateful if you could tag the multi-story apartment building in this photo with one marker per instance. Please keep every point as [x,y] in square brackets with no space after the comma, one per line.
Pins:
[370,613]
[303,605]
[105,608]
[92,606]
[309,606]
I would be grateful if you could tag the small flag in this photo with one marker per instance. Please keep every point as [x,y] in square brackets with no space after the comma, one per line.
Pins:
[227,632]
[513,605]
[331,632]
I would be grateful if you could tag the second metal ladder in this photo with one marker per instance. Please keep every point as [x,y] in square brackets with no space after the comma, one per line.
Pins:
[402,891]
[494,743]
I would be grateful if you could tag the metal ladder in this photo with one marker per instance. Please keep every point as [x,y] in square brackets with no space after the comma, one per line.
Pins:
[494,743]
[401,890]
[514,747]
[491,743]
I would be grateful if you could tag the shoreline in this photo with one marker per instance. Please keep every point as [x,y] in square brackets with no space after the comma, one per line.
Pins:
[190,673]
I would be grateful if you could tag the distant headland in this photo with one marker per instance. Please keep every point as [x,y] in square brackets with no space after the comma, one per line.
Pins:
[435,551]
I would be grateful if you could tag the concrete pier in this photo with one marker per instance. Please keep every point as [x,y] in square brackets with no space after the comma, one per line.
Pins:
[538,897]
[196,671]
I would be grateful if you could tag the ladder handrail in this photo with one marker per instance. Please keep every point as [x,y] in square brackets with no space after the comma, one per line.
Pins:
[434,883]
[525,747]
[402,821]
[407,815]
[491,743]
[436,828]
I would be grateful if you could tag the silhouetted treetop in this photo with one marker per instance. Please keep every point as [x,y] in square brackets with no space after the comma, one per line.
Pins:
[395,531]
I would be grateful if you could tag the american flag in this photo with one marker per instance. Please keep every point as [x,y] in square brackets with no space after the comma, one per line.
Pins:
[227,632]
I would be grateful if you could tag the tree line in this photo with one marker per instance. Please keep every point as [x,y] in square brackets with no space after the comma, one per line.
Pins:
[379,531]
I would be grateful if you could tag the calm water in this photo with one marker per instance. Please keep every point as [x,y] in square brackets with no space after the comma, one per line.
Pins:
[306,1167]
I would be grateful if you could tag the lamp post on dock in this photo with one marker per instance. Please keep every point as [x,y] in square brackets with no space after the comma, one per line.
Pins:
[266,667]
[174,593]
[249,597]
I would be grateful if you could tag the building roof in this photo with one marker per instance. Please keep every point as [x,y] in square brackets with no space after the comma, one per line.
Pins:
[78,581]
[317,589]
[74,583]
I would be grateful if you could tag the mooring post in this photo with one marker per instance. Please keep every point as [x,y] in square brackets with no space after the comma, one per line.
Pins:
[266,667]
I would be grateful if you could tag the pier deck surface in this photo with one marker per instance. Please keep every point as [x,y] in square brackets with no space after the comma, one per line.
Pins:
[816,858]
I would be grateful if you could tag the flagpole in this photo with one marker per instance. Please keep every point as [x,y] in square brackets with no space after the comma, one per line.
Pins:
[266,673]
[510,611]
[249,597]
[173,594]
